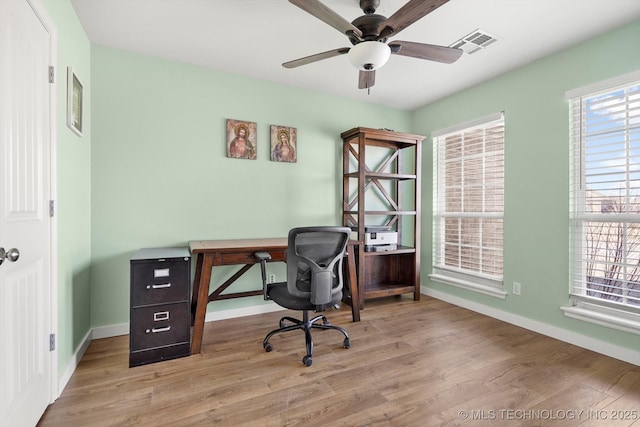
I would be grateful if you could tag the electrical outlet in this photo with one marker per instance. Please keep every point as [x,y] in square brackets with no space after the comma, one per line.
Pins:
[516,288]
[272,278]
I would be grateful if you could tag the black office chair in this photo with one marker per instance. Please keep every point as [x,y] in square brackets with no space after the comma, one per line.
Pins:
[314,281]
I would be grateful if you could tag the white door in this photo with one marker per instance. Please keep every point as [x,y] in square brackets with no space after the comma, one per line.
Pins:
[25,225]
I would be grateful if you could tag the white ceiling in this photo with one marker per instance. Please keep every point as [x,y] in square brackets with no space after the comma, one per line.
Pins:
[254,37]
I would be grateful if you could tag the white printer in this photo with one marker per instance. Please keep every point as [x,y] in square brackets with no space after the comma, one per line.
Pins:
[380,238]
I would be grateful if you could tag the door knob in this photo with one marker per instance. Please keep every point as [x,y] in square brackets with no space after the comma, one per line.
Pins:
[13,254]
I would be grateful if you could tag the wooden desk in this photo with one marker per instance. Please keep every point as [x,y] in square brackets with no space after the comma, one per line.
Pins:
[212,253]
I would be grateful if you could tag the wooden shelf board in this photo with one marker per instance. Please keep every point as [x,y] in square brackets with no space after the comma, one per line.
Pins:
[399,250]
[383,212]
[387,289]
[381,175]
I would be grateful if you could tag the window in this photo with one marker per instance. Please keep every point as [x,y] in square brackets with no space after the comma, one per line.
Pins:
[469,205]
[605,200]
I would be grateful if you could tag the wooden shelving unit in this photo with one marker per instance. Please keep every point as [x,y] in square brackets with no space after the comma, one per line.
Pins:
[381,187]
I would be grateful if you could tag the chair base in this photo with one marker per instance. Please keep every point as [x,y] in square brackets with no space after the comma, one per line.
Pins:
[306,325]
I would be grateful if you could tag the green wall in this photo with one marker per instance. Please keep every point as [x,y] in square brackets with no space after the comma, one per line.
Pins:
[536,228]
[160,175]
[73,204]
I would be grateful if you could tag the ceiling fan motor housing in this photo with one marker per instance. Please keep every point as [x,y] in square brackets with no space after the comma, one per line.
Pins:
[369,25]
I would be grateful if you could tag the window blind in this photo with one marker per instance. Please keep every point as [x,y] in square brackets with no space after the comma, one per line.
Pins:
[469,201]
[605,195]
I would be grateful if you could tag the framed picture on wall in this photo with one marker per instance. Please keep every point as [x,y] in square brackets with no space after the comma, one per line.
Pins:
[74,102]
[242,139]
[284,144]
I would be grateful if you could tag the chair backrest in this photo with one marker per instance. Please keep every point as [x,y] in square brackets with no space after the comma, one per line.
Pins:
[314,263]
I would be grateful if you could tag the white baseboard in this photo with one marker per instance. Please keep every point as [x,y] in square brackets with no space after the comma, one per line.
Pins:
[617,352]
[241,312]
[110,331]
[73,363]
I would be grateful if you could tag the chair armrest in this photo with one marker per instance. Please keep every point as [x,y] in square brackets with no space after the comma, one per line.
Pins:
[263,257]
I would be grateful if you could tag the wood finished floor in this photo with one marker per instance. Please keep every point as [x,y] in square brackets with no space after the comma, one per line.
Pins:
[425,363]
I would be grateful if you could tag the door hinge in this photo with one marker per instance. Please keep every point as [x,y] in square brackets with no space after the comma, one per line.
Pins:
[52,74]
[52,342]
[51,208]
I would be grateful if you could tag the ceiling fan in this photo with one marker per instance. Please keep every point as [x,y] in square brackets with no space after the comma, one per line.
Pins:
[369,33]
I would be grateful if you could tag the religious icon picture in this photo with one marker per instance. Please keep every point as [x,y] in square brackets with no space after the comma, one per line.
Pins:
[241,139]
[284,144]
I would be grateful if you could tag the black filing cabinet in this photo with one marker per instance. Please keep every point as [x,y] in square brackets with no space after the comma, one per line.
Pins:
[160,323]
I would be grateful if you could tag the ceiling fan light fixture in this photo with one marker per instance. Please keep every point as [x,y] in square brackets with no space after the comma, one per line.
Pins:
[369,55]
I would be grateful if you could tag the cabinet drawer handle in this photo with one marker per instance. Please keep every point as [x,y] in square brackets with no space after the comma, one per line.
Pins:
[159,286]
[161,272]
[160,315]
[156,330]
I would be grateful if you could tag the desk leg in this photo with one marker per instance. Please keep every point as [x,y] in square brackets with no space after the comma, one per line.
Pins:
[353,284]
[361,275]
[196,287]
[202,299]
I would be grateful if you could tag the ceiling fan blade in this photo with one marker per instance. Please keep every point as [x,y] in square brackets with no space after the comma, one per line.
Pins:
[366,79]
[317,57]
[327,15]
[430,52]
[412,11]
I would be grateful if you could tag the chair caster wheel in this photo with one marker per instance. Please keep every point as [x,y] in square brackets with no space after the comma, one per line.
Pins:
[268,347]
[346,343]
[307,360]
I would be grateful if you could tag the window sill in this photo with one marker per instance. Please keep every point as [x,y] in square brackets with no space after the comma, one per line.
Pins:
[468,285]
[604,316]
